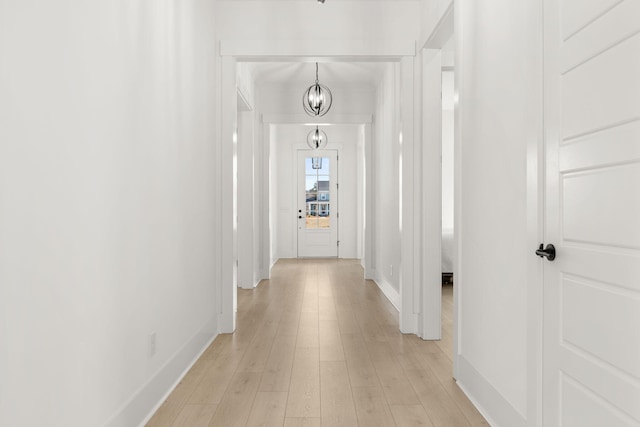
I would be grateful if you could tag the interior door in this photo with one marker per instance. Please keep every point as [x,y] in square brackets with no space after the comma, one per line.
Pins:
[317,216]
[592,213]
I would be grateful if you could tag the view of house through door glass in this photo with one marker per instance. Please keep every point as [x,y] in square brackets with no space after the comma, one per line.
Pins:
[317,203]
[317,194]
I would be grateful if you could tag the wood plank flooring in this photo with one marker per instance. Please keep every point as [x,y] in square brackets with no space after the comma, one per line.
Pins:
[317,345]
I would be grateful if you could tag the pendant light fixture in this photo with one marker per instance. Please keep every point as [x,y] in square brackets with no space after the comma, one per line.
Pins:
[317,99]
[317,139]
[316,163]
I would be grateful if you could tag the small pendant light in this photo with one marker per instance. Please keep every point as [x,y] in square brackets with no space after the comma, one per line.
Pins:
[317,139]
[317,99]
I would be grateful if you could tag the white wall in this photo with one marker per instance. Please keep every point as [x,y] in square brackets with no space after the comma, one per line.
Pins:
[106,205]
[287,100]
[499,83]
[287,139]
[273,196]
[447,150]
[386,183]
[248,182]
[247,236]
[361,197]
[431,15]
[289,20]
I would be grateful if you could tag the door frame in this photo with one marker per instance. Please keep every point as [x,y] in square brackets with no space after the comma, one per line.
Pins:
[363,120]
[430,322]
[295,176]
[233,51]
[246,212]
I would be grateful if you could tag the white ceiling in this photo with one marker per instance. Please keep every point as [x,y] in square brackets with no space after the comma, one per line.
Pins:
[330,73]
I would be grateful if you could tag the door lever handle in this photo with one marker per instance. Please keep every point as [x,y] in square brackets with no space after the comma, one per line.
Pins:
[549,252]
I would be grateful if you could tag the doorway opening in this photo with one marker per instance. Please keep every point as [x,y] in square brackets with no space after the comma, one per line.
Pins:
[448,224]
[278,109]
[318,214]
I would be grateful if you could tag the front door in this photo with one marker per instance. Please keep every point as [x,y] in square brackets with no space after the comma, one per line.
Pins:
[317,216]
[592,213]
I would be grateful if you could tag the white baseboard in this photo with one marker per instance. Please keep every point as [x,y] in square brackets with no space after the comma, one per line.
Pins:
[146,401]
[253,286]
[389,291]
[489,402]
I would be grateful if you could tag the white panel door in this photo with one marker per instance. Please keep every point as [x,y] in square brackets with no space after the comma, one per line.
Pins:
[317,203]
[592,213]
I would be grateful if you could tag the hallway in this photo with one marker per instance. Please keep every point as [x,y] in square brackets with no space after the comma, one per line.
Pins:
[319,345]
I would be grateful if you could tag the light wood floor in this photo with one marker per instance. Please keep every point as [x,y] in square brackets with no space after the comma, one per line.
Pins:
[317,345]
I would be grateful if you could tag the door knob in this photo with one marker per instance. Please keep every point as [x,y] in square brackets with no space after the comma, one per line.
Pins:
[549,252]
[299,216]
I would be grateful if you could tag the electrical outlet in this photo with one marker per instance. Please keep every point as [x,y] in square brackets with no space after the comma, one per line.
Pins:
[152,344]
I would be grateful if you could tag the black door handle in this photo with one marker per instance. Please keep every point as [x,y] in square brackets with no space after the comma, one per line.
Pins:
[299,216]
[549,252]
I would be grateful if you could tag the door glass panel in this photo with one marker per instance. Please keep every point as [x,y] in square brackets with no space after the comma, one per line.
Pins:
[317,186]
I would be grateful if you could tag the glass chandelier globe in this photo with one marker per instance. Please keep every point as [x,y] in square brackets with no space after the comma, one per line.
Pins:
[317,139]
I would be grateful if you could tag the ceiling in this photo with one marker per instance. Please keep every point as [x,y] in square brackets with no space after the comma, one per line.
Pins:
[330,73]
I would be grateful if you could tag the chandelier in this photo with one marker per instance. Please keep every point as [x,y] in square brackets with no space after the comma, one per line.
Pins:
[317,139]
[317,99]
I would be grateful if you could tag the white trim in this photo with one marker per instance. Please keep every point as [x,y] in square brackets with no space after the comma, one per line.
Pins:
[430,327]
[251,286]
[486,398]
[398,51]
[368,218]
[246,233]
[536,193]
[139,409]
[266,261]
[535,209]
[339,119]
[387,290]
[443,30]
[409,224]
[457,189]
[420,215]
[296,148]
[243,102]
[309,50]
[229,124]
